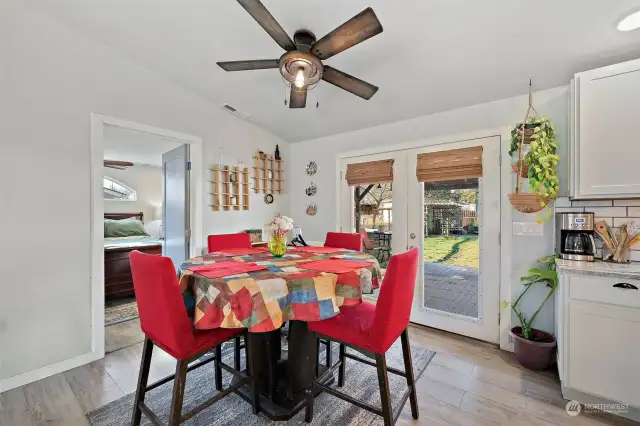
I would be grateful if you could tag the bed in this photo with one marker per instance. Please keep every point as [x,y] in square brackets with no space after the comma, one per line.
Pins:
[117,272]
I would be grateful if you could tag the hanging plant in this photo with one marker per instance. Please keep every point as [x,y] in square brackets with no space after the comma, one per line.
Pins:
[517,133]
[543,160]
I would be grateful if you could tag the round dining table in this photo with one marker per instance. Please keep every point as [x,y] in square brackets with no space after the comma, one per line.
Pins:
[251,289]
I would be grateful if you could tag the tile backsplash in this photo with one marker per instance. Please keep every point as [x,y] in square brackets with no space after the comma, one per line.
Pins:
[615,212]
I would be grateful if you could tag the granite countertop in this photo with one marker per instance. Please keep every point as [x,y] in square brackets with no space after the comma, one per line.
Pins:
[600,268]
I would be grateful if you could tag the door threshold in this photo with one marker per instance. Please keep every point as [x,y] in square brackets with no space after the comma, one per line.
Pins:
[453,335]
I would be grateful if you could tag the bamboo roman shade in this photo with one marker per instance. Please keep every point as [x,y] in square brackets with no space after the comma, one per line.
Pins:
[454,164]
[369,173]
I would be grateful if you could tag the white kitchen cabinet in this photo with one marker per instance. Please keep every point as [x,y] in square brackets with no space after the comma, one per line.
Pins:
[598,332]
[604,132]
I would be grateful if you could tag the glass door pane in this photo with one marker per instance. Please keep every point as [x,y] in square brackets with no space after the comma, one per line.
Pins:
[451,247]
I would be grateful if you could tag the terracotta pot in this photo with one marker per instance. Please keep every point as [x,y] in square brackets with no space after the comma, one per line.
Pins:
[534,354]
[524,172]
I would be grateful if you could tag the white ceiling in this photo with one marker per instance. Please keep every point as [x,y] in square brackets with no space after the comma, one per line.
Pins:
[433,55]
[137,147]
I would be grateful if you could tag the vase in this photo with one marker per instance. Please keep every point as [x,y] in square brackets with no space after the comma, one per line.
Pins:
[278,245]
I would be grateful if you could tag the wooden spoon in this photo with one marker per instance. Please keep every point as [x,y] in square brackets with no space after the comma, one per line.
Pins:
[603,230]
[622,245]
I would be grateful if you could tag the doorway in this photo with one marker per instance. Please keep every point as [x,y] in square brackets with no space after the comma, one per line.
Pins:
[453,218]
[150,178]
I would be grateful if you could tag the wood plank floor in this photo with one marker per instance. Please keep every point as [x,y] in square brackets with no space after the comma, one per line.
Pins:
[468,383]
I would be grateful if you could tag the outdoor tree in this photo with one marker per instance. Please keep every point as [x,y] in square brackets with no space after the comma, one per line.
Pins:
[376,197]
[460,196]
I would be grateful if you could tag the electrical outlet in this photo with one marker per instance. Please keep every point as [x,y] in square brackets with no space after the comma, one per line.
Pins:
[528,229]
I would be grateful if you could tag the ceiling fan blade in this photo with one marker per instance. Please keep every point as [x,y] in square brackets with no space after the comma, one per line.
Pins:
[349,83]
[256,64]
[298,99]
[113,163]
[356,30]
[260,13]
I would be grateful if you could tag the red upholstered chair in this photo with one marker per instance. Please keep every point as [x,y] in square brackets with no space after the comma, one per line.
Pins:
[371,330]
[343,240]
[164,321]
[228,241]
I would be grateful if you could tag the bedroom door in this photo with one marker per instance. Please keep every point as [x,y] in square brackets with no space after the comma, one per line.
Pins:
[175,204]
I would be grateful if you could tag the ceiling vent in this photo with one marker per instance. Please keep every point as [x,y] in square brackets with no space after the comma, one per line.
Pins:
[235,111]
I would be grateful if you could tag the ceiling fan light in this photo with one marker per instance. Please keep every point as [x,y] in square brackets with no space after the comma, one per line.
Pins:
[630,23]
[299,81]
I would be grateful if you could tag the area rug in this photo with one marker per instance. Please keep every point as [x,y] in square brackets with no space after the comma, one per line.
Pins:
[120,313]
[361,382]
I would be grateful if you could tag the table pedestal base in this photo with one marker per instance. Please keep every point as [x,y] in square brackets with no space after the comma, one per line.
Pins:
[283,377]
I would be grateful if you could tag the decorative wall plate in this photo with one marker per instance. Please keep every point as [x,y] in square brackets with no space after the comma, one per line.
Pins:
[311,189]
[312,209]
[268,198]
[312,168]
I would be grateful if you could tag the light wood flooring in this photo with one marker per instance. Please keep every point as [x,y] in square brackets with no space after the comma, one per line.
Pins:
[468,383]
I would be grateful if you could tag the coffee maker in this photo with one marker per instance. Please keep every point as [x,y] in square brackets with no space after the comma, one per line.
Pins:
[575,236]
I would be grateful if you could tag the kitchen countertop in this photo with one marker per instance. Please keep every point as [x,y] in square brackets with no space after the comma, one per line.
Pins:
[600,268]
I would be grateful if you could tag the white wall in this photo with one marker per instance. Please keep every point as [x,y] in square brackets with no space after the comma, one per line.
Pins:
[51,78]
[146,181]
[498,114]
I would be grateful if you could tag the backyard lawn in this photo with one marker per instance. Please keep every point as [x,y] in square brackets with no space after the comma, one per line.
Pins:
[459,250]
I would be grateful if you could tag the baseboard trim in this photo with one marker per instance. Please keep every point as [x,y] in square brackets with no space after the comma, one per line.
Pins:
[49,370]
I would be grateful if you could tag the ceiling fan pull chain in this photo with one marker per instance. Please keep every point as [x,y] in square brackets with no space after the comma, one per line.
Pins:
[317,98]
[285,96]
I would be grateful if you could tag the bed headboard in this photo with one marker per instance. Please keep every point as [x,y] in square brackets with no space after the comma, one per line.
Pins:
[120,216]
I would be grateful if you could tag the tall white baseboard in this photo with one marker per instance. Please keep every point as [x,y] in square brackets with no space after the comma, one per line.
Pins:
[49,370]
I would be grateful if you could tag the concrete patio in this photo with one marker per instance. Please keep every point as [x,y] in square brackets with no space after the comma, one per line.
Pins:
[451,288]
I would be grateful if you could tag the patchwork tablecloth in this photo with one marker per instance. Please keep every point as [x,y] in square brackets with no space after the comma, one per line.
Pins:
[263,300]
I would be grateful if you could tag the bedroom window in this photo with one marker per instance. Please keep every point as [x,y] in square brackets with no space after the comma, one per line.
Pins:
[114,190]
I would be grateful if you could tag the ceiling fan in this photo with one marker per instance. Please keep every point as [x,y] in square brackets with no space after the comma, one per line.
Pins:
[119,165]
[301,65]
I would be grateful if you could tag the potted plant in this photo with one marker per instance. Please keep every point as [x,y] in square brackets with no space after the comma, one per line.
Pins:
[542,160]
[539,165]
[534,348]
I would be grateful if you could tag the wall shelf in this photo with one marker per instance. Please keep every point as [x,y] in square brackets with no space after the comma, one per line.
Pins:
[230,188]
[268,174]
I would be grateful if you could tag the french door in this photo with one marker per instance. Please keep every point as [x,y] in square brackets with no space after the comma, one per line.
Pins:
[456,225]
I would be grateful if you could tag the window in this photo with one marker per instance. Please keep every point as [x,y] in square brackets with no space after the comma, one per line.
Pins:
[114,190]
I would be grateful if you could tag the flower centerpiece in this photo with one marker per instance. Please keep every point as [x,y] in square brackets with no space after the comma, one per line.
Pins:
[278,227]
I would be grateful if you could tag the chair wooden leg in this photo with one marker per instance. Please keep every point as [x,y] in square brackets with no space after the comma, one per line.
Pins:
[317,357]
[143,377]
[236,353]
[218,368]
[246,351]
[385,395]
[328,355]
[341,369]
[408,368]
[178,393]
[308,409]
[255,393]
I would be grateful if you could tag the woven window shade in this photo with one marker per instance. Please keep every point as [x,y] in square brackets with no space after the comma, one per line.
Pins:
[454,164]
[369,173]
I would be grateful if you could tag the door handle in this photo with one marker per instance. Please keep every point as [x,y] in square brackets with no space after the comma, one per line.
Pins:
[412,236]
[412,247]
[625,286]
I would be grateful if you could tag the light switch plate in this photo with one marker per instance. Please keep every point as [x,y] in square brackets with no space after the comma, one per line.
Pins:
[528,229]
